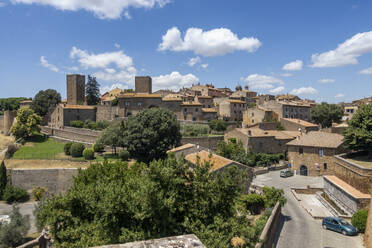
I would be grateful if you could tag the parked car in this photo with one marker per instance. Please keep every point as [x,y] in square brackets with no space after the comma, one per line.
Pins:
[286,173]
[339,225]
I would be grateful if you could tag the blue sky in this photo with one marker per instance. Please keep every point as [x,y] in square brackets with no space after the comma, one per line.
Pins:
[319,49]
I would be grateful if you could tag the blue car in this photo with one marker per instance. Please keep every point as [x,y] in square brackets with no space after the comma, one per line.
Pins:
[339,225]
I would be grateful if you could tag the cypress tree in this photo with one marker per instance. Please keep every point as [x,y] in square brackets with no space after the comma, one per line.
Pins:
[3,178]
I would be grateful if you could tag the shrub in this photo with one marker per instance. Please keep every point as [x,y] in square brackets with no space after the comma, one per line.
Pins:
[272,196]
[76,150]
[67,148]
[12,148]
[124,155]
[218,125]
[98,147]
[102,124]
[15,194]
[359,219]
[193,130]
[253,202]
[77,124]
[39,192]
[88,154]
[12,234]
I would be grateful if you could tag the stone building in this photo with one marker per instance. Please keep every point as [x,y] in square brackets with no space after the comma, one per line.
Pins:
[264,141]
[8,120]
[25,104]
[298,124]
[232,110]
[208,90]
[287,97]
[108,97]
[258,114]
[143,84]
[313,153]
[63,114]
[290,109]
[75,89]
[245,95]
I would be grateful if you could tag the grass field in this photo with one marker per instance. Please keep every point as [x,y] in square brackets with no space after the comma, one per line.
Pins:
[39,149]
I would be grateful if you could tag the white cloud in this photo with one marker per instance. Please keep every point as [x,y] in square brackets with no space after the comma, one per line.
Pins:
[174,81]
[46,64]
[339,95]
[346,53]
[293,66]
[105,89]
[103,9]
[286,74]
[207,43]
[101,60]
[277,90]
[127,15]
[204,66]
[257,81]
[194,61]
[304,91]
[2,4]
[366,71]
[117,45]
[326,80]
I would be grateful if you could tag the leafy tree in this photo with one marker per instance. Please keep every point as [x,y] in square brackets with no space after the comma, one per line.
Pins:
[92,91]
[113,136]
[359,219]
[45,99]
[116,203]
[272,196]
[27,124]
[358,135]
[3,178]
[325,114]
[76,150]
[13,233]
[253,202]
[151,133]
[124,155]
[14,194]
[11,103]
[218,125]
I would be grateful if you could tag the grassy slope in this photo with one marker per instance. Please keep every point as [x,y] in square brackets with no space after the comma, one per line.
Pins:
[47,149]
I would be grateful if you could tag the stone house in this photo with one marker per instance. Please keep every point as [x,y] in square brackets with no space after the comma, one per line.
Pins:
[25,104]
[208,90]
[290,109]
[245,95]
[206,101]
[109,96]
[298,124]
[255,115]
[63,114]
[313,153]
[264,141]
[232,110]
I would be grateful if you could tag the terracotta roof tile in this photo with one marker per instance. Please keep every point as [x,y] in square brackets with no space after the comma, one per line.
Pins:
[215,160]
[209,110]
[180,148]
[318,139]
[236,101]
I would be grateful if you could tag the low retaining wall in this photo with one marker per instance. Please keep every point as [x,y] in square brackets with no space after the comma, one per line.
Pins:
[271,227]
[71,133]
[56,180]
[206,142]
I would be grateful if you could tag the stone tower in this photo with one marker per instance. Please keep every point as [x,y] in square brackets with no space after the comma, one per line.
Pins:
[9,117]
[75,89]
[143,85]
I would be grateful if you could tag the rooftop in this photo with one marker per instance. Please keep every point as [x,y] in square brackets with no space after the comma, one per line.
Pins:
[191,104]
[257,132]
[347,187]
[318,139]
[301,122]
[215,160]
[180,148]
[70,106]
[139,95]
[209,110]
[236,101]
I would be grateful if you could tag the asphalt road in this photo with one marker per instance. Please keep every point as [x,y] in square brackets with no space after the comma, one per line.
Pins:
[297,227]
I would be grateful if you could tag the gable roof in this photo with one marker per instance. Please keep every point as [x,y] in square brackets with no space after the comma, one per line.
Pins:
[216,161]
[70,106]
[257,132]
[318,139]
[301,122]
[183,147]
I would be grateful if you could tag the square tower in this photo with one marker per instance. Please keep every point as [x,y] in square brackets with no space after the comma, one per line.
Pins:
[75,89]
[143,85]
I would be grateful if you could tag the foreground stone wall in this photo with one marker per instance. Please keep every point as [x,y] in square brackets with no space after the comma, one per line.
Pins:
[368,232]
[56,180]
[206,142]
[271,227]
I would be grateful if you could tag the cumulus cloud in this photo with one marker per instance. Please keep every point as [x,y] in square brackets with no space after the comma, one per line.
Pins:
[326,80]
[257,81]
[293,66]
[366,71]
[214,42]
[346,53]
[174,81]
[277,90]
[304,91]
[194,61]
[2,4]
[204,66]
[117,45]
[44,62]
[105,89]
[286,74]
[127,15]
[340,95]
[103,9]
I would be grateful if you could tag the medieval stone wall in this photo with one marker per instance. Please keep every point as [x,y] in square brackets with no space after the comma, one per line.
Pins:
[206,142]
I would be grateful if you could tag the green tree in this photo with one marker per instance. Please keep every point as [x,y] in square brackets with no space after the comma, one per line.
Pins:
[92,94]
[113,136]
[3,178]
[151,133]
[13,233]
[11,103]
[358,135]
[325,114]
[27,124]
[272,196]
[45,99]
[359,219]
[218,125]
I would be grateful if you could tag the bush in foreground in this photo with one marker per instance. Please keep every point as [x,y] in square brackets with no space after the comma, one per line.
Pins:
[67,148]
[124,155]
[98,147]
[39,192]
[88,154]
[253,202]
[14,194]
[76,150]
[359,219]
[12,234]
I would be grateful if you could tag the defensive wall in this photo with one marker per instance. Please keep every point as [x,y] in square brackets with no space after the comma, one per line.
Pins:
[268,233]
[56,180]
[1,123]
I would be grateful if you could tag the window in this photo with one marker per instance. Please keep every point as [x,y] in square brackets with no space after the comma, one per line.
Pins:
[325,166]
[252,121]
[301,150]
[127,104]
[321,152]
[252,114]
[196,110]
[139,104]
[193,119]
[185,110]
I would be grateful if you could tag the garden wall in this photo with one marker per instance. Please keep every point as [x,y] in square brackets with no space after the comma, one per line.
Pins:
[72,133]
[56,180]
[268,233]
[205,142]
